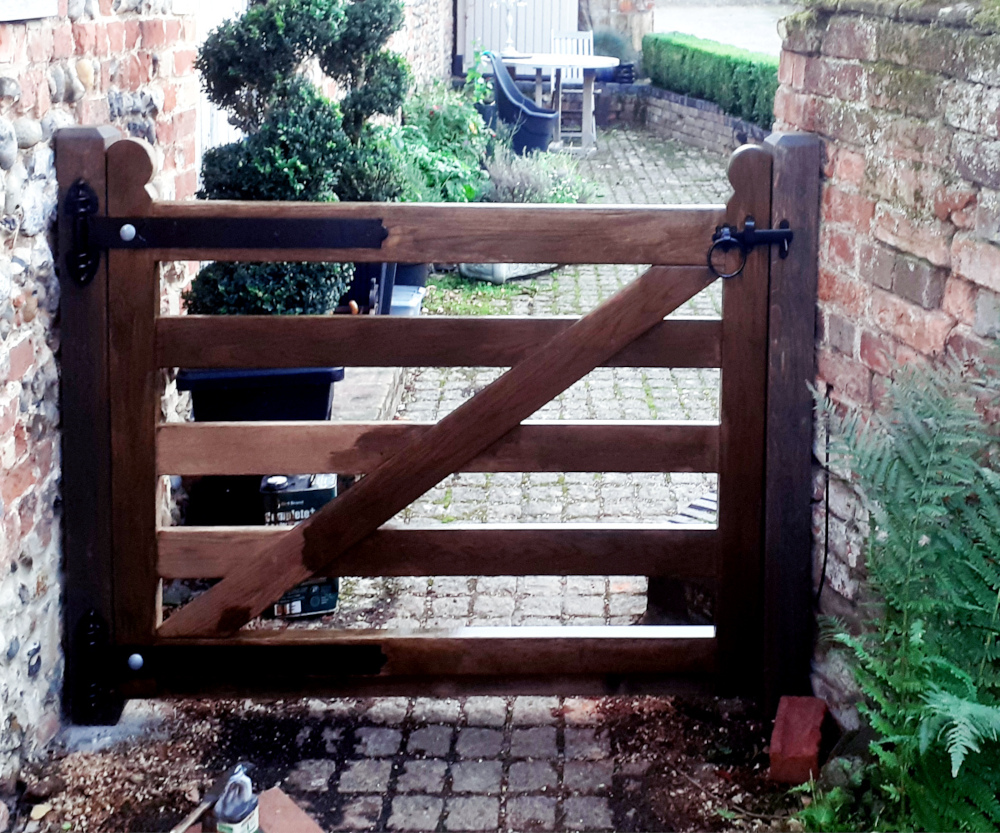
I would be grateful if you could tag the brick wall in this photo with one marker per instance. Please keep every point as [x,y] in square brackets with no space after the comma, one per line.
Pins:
[426,39]
[693,121]
[907,98]
[125,62]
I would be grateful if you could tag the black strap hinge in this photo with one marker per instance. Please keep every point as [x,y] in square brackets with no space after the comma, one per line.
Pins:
[92,234]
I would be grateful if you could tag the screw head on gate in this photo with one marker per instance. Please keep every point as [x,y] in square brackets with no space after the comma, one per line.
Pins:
[127,232]
[135,662]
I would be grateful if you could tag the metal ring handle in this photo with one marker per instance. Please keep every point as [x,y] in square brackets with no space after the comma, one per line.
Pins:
[725,244]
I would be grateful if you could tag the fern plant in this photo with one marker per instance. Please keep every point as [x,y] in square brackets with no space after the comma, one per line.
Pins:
[928,660]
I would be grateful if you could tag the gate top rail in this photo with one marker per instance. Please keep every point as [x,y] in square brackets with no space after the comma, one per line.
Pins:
[402,232]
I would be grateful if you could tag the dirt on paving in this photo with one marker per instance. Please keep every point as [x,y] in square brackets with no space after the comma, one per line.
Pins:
[681,764]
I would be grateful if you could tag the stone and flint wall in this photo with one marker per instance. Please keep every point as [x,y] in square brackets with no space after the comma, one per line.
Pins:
[124,62]
[426,39]
[907,99]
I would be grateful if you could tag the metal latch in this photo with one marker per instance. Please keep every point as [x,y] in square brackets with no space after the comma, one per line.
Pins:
[727,238]
[91,234]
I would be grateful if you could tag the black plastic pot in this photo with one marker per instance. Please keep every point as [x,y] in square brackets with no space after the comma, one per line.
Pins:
[412,274]
[220,394]
[252,395]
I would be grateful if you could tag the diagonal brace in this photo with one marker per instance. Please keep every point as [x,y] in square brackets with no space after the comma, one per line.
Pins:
[314,545]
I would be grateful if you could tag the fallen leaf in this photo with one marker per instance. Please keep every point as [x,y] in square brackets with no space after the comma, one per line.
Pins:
[39,811]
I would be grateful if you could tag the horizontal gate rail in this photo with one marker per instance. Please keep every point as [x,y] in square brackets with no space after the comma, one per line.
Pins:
[556,660]
[383,341]
[199,448]
[684,551]
[470,233]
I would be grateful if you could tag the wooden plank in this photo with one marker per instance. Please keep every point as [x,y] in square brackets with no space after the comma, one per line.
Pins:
[324,681]
[428,341]
[85,416]
[741,455]
[297,658]
[686,551]
[789,624]
[198,448]
[315,545]
[476,232]
[134,297]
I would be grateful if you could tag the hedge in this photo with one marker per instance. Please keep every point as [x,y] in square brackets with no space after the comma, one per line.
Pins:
[742,83]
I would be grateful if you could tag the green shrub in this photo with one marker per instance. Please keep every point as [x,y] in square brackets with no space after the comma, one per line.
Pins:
[742,83]
[533,178]
[299,145]
[928,662]
[443,143]
[266,288]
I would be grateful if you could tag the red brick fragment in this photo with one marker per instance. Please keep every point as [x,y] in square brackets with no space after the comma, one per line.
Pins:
[279,814]
[795,741]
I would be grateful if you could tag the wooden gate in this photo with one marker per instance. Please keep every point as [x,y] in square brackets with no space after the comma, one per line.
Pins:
[116,343]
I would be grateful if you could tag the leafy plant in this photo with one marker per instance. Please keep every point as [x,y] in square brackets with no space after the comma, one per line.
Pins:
[478,88]
[534,177]
[443,144]
[299,145]
[929,661]
[742,83]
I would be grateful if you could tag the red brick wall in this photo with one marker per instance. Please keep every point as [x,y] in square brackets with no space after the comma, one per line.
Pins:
[88,65]
[907,99]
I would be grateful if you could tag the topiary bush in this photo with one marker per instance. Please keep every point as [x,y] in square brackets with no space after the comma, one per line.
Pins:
[742,83]
[299,145]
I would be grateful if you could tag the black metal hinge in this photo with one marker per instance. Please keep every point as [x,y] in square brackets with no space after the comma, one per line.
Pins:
[92,234]
[727,238]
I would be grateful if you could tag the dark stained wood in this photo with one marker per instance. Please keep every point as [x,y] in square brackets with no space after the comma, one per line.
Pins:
[686,551]
[479,232]
[300,657]
[739,615]
[134,297]
[357,448]
[180,681]
[788,612]
[429,341]
[84,409]
[315,545]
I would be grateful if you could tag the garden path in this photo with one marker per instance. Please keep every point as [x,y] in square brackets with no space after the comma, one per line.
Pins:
[631,167]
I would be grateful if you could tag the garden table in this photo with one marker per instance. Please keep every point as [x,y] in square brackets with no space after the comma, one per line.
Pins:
[541,61]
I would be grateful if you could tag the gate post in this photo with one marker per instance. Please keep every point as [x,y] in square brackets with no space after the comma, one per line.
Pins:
[789,623]
[739,605]
[88,613]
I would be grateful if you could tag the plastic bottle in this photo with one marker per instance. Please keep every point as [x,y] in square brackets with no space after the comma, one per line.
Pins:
[236,810]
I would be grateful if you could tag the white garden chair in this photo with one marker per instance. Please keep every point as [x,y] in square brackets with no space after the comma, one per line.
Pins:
[569,80]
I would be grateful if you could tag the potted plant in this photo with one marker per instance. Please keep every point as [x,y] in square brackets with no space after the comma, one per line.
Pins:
[298,145]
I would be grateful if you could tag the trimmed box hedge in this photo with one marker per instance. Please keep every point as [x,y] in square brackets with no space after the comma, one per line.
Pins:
[742,83]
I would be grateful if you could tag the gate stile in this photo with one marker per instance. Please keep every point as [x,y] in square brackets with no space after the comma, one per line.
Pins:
[201,646]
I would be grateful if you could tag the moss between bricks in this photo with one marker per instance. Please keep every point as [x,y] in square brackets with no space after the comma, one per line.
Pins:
[988,17]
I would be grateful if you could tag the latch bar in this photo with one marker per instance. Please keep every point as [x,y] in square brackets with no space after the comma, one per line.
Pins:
[727,238]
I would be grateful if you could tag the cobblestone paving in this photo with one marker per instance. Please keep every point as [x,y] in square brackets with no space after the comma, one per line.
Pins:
[481,763]
[630,167]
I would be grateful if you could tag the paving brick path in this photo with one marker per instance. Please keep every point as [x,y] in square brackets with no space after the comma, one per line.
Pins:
[631,167]
[481,763]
